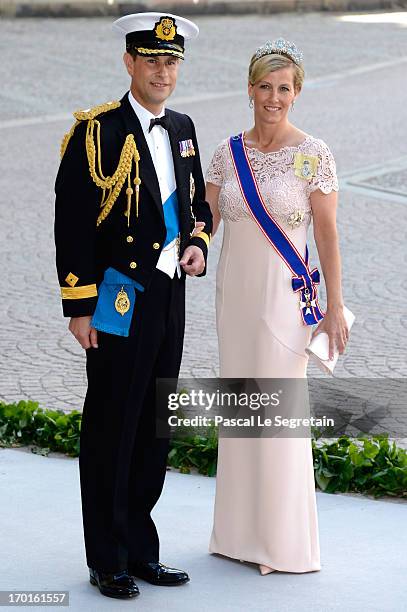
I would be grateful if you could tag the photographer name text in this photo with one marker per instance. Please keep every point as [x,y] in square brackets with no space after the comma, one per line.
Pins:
[254,420]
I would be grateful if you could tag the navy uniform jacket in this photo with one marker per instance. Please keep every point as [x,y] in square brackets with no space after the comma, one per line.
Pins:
[83,249]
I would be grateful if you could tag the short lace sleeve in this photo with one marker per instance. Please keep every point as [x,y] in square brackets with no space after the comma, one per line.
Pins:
[216,170]
[325,179]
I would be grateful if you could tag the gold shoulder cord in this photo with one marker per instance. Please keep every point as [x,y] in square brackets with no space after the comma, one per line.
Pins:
[110,184]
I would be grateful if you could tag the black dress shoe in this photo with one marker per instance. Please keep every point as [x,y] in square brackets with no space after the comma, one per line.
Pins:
[157,573]
[120,585]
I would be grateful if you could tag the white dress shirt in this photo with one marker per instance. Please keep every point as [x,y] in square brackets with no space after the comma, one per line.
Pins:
[160,149]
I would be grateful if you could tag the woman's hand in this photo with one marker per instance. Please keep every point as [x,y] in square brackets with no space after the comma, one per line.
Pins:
[199,225]
[335,326]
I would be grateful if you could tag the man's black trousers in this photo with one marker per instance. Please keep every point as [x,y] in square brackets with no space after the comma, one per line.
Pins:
[122,462]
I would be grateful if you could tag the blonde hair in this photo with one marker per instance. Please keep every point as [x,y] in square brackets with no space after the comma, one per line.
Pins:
[270,63]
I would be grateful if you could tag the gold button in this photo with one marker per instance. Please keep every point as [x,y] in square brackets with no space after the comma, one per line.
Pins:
[129,238]
[156,245]
[133,264]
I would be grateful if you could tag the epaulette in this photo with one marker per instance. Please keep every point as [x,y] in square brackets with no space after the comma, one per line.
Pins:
[86,115]
[111,186]
[91,113]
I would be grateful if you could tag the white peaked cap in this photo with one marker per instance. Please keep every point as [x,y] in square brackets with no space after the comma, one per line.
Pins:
[156,33]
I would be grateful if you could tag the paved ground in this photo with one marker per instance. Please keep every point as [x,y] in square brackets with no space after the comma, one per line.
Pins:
[353,100]
[363,544]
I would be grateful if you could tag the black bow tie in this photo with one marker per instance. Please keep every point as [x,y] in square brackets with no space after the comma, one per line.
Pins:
[163,121]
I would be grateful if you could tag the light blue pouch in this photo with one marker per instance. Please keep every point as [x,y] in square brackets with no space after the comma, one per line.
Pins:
[106,318]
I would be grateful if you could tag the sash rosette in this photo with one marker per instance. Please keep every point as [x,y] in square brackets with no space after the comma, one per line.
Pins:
[304,281]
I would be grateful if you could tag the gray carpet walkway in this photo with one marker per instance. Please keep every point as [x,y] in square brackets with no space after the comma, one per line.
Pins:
[363,548]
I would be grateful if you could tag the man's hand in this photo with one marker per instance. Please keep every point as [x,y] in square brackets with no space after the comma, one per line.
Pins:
[83,332]
[193,261]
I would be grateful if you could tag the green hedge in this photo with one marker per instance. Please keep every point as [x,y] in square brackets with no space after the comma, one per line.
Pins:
[370,465]
[25,423]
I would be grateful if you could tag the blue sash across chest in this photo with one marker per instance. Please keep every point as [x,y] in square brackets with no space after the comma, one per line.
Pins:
[303,279]
[171,217]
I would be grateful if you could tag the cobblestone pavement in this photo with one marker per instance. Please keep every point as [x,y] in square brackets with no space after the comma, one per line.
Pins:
[353,100]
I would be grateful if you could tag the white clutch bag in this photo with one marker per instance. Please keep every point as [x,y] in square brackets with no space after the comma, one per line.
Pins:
[318,349]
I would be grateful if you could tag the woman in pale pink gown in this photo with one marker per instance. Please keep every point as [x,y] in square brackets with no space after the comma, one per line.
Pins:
[265,506]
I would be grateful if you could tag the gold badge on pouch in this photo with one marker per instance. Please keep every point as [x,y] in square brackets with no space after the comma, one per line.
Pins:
[122,302]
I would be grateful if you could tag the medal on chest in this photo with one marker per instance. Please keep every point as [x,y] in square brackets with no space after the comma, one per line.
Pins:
[305,166]
[186,148]
[296,218]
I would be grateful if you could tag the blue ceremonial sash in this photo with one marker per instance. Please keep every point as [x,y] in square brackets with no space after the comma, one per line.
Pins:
[171,217]
[303,280]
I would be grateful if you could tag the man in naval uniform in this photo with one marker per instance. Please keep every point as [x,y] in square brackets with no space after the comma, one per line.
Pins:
[130,222]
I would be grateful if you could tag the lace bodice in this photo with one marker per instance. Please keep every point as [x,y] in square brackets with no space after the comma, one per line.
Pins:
[286,195]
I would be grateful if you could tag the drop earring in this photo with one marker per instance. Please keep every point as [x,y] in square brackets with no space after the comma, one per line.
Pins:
[292,105]
[250,102]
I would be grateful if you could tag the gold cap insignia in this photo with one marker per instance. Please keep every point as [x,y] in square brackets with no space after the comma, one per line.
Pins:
[166,29]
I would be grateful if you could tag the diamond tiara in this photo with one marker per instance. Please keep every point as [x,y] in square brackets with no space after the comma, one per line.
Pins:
[280,46]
